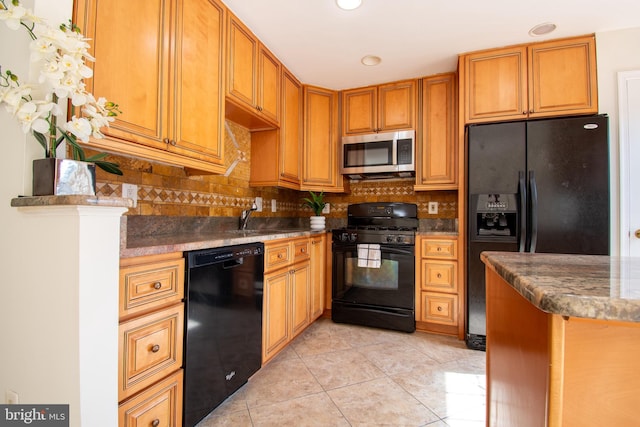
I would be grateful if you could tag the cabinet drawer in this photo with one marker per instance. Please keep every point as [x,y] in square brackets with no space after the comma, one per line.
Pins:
[439,276]
[159,405]
[150,348]
[300,250]
[277,256]
[433,248]
[147,286]
[439,308]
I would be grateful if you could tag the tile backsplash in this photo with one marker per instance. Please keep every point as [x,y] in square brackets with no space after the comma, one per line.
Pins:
[165,190]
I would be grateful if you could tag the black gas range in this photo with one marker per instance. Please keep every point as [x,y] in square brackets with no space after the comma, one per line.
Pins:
[382,223]
[373,281]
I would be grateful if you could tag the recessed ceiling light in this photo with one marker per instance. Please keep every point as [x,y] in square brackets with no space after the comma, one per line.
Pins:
[348,4]
[370,60]
[542,29]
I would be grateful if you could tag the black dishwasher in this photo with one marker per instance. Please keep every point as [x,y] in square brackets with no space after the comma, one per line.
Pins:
[223,327]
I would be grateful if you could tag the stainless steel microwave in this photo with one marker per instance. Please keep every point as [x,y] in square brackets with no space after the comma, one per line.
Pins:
[391,153]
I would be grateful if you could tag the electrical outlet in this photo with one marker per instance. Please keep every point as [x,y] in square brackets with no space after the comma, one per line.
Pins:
[433,208]
[130,191]
[259,204]
[11,397]
[273,205]
[326,209]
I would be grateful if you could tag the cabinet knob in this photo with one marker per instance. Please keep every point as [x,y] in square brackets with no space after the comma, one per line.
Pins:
[638,234]
[439,249]
[524,113]
[157,285]
[303,250]
[173,142]
[166,141]
[280,256]
[155,348]
[439,308]
[155,423]
[439,275]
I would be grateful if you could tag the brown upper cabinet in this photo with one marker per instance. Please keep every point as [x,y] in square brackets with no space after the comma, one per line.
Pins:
[253,79]
[320,168]
[164,88]
[276,153]
[380,108]
[538,80]
[437,153]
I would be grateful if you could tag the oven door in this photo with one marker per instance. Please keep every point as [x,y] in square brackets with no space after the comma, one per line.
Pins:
[391,285]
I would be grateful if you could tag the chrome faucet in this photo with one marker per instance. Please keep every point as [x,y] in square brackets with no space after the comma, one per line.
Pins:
[244,217]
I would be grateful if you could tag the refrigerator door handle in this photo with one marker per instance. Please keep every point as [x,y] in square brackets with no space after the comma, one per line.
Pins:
[522,189]
[534,211]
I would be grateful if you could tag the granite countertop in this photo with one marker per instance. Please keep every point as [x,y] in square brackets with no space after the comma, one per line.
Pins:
[151,245]
[587,286]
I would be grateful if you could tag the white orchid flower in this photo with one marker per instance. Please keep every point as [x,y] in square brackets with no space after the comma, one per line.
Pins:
[80,127]
[13,16]
[30,118]
[15,97]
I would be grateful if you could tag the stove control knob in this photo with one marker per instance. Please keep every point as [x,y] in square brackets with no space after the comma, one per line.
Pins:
[390,239]
[400,239]
[353,237]
[344,237]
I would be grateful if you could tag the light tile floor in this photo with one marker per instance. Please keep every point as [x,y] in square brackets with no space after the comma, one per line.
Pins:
[346,375]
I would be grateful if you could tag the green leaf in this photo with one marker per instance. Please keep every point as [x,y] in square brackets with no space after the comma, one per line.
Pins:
[41,139]
[96,157]
[109,167]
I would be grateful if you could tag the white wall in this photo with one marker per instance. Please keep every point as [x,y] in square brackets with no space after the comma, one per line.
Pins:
[617,51]
[58,276]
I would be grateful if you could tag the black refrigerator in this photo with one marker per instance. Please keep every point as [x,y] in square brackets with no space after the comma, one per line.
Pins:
[533,186]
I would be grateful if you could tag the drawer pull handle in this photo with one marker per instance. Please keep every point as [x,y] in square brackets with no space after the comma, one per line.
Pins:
[155,348]
[157,285]
[439,308]
[155,423]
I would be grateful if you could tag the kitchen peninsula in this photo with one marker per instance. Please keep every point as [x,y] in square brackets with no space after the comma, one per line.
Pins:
[563,337]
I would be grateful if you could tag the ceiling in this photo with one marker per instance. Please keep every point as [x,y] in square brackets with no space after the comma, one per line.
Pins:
[322,44]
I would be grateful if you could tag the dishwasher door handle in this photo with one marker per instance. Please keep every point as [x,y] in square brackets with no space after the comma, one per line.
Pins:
[233,263]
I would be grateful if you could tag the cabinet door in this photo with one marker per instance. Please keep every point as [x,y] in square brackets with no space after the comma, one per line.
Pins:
[320,169]
[132,77]
[396,106]
[269,77]
[300,281]
[562,78]
[242,63]
[275,328]
[198,114]
[438,151]
[495,85]
[360,110]
[291,128]
[318,276]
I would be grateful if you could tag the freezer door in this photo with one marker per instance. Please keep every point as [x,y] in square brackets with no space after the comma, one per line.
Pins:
[569,159]
[497,153]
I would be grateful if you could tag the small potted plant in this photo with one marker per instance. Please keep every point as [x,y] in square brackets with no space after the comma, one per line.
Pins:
[317,204]
[58,55]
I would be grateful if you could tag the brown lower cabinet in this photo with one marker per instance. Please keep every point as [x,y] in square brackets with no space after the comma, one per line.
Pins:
[438,299]
[150,346]
[293,295]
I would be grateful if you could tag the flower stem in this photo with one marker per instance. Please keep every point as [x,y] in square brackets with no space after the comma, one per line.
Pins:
[51,145]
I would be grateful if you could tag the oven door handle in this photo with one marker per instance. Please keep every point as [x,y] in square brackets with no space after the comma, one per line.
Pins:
[384,248]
